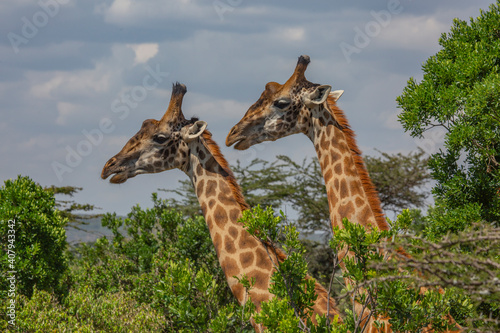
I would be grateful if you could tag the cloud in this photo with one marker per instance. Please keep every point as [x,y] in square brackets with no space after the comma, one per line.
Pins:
[79,83]
[412,33]
[133,13]
[144,52]
[291,34]
[65,110]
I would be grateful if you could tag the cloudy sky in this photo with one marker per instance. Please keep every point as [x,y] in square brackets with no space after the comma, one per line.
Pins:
[77,78]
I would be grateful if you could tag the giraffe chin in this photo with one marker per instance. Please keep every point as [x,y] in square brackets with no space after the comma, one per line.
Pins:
[119,178]
[242,144]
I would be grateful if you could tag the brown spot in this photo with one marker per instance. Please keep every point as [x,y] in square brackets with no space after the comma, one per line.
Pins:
[220,217]
[344,190]
[211,203]
[201,154]
[364,215]
[238,291]
[328,130]
[261,279]
[322,121]
[247,241]
[246,259]
[204,209]
[217,243]
[157,164]
[224,187]
[199,187]
[349,167]
[258,298]
[230,267]
[338,168]
[325,162]
[210,223]
[225,198]
[335,156]
[342,144]
[328,175]
[234,214]
[263,261]
[229,244]
[233,231]
[336,222]
[331,201]
[211,187]
[346,210]
[336,183]
[356,188]
[359,202]
[199,170]
[324,142]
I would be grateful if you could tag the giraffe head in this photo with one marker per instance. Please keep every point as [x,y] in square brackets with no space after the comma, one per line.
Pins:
[159,145]
[282,109]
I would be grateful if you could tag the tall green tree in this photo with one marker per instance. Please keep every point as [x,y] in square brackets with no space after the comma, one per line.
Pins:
[460,94]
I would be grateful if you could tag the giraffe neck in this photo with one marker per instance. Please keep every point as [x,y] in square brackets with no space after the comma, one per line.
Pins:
[238,252]
[349,190]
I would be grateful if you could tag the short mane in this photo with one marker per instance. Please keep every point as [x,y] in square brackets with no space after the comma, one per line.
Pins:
[370,190]
[233,184]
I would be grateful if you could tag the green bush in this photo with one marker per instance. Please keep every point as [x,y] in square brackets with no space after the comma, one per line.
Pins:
[82,311]
[159,258]
[39,241]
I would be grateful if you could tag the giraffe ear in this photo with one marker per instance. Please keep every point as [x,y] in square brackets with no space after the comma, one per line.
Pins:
[317,96]
[336,94]
[193,131]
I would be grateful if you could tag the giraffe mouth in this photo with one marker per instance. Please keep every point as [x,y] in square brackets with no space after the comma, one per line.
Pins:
[241,144]
[119,178]
[239,140]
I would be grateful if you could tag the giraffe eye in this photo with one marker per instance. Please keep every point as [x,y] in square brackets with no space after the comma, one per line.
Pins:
[281,103]
[160,138]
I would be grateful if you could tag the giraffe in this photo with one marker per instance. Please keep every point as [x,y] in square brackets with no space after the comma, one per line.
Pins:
[177,142]
[300,106]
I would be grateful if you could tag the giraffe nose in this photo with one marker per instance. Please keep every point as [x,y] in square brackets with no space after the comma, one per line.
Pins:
[229,138]
[106,171]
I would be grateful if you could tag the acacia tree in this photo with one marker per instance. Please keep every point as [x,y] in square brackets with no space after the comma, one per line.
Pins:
[400,179]
[67,208]
[287,184]
[460,93]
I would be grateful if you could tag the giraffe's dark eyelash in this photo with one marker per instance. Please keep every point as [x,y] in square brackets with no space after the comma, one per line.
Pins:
[160,138]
